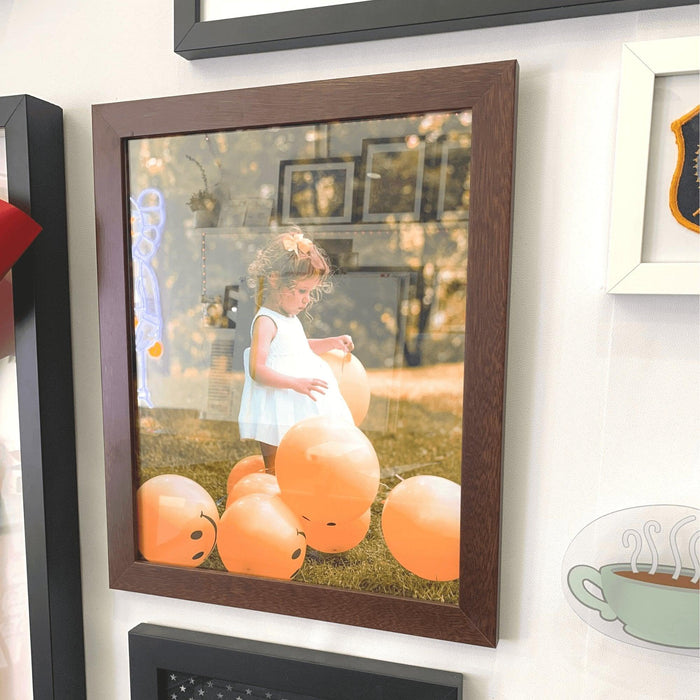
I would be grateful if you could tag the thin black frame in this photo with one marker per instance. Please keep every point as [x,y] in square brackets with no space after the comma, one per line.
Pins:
[154,648]
[36,185]
[376,19]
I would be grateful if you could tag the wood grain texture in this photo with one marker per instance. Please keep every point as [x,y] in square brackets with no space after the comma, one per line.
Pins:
[490,91]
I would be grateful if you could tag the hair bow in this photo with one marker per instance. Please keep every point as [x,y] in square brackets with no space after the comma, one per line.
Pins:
[295,242]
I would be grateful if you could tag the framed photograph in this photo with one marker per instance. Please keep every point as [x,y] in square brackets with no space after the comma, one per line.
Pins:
[654,248]
[412,419]
[453,187]
[316,191]
[166,662]
[38,483]
[209,28]
[396,165]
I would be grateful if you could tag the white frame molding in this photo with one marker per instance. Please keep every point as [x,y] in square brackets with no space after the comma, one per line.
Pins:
[642,61]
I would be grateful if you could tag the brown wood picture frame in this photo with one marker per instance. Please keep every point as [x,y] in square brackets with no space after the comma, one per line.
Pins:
[489,91]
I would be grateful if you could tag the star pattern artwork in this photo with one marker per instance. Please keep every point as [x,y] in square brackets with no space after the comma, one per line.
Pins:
[175,685]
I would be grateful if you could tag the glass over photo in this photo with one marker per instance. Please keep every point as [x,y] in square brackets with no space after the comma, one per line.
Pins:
[299,299]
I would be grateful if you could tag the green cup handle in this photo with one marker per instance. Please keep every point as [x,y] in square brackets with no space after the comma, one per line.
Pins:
[582,573]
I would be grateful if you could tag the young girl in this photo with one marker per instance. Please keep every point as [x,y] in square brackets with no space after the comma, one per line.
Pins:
[285,379]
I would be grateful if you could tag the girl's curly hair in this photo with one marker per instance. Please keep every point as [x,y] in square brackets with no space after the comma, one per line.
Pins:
[291,256]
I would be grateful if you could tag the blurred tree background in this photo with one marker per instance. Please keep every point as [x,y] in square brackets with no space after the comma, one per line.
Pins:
[400,287]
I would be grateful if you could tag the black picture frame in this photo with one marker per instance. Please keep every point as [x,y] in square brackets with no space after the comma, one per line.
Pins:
[376,19]
[299,176]
[36,185]
[156,652]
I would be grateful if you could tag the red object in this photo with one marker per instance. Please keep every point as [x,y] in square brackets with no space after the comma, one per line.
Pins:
[17,231]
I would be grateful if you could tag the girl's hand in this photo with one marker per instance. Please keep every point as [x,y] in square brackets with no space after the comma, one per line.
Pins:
[342,342]
[338,342]
[308,386]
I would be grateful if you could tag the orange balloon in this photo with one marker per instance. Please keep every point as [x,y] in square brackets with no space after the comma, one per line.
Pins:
[259,535]
[352,382]
[327,470]
[337,538]
[421,525]
[253,483]
[177,520]
[156,350]
[247,465]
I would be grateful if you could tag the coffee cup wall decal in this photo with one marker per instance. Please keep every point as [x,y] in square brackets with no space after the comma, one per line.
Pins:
[634,575]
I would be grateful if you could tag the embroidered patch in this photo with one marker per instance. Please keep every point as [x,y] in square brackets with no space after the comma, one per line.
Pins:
[684,197]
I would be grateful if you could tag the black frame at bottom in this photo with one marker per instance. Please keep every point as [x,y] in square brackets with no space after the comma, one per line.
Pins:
[155,650]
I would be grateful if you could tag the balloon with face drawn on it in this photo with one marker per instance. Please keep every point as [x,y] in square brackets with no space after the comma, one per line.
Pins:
[337,537]
[177,521]
[260,535]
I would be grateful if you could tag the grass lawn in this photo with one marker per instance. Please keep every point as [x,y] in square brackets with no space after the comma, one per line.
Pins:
[421,434]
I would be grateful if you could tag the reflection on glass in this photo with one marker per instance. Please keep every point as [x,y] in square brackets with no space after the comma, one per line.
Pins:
[387,201]
[15,659]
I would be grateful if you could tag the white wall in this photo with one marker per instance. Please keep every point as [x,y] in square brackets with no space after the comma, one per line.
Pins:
[602,407]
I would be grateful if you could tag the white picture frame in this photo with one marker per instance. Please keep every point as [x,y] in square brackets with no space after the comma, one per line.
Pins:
[628,273]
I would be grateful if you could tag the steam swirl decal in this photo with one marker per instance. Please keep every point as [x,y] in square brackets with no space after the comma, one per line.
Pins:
[649,596]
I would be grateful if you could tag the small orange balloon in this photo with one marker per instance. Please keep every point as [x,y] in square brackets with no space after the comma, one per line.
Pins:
[247,465]
[352,382]
[260,535]
[177,520]
[253,483]
[420,523]
[156,350]
[327,470]
[337,538]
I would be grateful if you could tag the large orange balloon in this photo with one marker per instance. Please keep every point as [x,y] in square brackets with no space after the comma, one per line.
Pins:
[352,381]
[327,470]
[247,465]
[177,520]
[253,483]
[259,535]
[420,522]
[337,538]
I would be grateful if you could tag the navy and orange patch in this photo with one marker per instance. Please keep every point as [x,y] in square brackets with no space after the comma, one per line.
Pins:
[684,196]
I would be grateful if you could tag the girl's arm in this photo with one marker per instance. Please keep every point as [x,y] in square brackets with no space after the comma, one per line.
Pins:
[264,331]
[338,342]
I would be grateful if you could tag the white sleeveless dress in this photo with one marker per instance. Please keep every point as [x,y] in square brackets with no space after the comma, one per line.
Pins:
[267,413]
